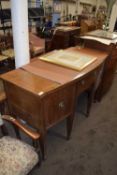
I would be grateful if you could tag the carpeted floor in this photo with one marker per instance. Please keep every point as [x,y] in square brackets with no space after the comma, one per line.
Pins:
[92,149]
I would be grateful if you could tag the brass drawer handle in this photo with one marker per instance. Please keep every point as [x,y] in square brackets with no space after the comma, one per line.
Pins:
[61,105]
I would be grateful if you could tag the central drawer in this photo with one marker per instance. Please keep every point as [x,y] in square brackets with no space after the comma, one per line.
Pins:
[87,81]
[58,105]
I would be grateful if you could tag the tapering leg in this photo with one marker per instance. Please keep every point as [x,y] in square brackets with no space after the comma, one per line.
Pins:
[42,145]
[90,100]
[69,123]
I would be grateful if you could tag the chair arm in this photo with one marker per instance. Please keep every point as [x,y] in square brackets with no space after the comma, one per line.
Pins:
[33,134]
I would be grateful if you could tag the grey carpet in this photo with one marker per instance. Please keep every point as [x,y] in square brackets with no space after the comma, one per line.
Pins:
[92,149]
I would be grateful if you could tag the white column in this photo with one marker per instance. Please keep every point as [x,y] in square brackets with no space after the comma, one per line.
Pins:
[19,11]
[113,17]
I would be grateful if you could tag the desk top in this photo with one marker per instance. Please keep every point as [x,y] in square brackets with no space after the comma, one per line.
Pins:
[29,81]
[61,74]
[40,77]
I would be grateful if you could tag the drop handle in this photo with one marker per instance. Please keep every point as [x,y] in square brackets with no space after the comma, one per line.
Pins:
[61,105]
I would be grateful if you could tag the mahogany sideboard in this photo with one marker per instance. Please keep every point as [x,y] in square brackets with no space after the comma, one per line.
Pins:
[43,94]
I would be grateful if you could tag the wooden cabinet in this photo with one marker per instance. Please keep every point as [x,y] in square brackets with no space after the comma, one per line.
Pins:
[64,37]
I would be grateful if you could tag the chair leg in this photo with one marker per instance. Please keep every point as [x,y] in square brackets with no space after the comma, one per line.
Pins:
[36,145]
[2,107]
[17,132]
[4,130]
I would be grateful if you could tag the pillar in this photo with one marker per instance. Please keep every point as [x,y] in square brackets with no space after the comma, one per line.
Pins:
[19,12]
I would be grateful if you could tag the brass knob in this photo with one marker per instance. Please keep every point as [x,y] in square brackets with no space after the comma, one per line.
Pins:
[61,105]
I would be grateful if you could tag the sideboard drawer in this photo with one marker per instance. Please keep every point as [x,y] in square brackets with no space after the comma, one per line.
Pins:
[87,81]
[59,105]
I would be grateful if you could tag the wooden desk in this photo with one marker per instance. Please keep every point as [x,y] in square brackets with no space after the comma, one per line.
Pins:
[43,94]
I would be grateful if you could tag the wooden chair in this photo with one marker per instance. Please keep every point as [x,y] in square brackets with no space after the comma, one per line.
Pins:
[17,157]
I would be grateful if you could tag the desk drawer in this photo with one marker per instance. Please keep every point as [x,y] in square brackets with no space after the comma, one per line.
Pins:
[87,82]
[59,105]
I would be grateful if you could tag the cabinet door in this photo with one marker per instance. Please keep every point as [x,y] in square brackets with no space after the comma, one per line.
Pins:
[58,105]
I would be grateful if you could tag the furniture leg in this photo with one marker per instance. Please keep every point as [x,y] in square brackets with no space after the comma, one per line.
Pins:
[2,107]
[36,146]
[69,124]
[17,132]
[4,130]
[90,100]
[42,146]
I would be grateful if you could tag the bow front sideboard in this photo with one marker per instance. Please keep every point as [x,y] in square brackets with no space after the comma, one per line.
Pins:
[43,94]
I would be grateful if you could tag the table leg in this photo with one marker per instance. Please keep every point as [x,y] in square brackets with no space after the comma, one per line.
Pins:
[69,124]
[91,93]
[42,145]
